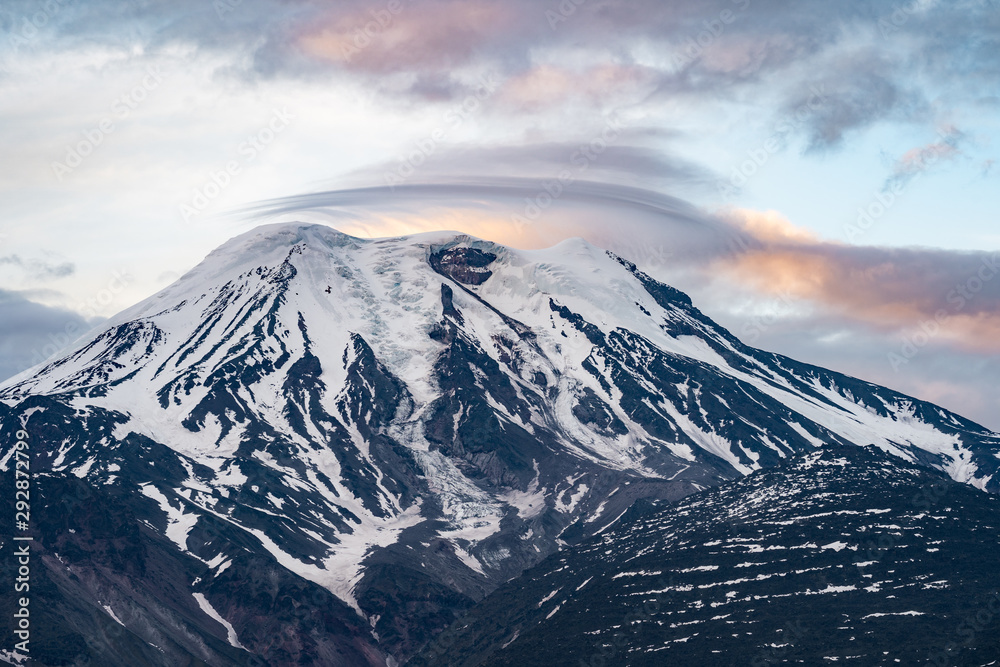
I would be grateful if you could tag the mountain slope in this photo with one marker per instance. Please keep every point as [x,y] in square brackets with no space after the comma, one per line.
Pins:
[407,423]
[842,554]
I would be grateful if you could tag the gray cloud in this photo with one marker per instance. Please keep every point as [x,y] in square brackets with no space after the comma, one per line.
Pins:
[521,211]
[31,332]
[39,269]
[619,160]
[474,191]
[715,50]
[961,381]
[863,93]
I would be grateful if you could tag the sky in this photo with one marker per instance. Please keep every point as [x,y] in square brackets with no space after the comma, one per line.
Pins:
[819,176]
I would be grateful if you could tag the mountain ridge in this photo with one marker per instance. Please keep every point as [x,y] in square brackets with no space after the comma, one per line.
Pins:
[839,554]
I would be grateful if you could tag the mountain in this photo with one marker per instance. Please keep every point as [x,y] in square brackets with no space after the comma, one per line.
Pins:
[843,554]
[314,449]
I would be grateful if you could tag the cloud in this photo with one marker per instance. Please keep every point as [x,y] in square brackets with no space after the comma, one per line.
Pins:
[959,380]
[39,269]
[546,85]
[863,85]
[475,190]
[719,50]
[31,332]
[522,212]
[769,227]
[612,158]
[894,290]
[918,160]
[402,37]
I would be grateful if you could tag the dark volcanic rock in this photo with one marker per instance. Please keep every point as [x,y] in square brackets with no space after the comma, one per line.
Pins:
[844,554]
[464,265]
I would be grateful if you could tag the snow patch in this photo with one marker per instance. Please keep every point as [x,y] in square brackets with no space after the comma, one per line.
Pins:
[207,607]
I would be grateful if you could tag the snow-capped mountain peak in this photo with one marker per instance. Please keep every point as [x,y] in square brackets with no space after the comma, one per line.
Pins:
[433,407]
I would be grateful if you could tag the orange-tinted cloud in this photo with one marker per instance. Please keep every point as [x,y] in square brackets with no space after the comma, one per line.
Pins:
[956,295]
[494,226]
[546,85]
[918,160]
[402,37]
[769,226]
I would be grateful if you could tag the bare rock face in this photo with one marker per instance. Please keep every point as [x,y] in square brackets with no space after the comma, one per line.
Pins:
[841,554]
[465,265]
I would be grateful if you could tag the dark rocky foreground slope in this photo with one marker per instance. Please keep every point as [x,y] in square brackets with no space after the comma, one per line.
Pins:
[843,555]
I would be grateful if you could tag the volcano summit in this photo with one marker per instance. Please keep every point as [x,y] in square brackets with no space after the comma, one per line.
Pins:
[315,449]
